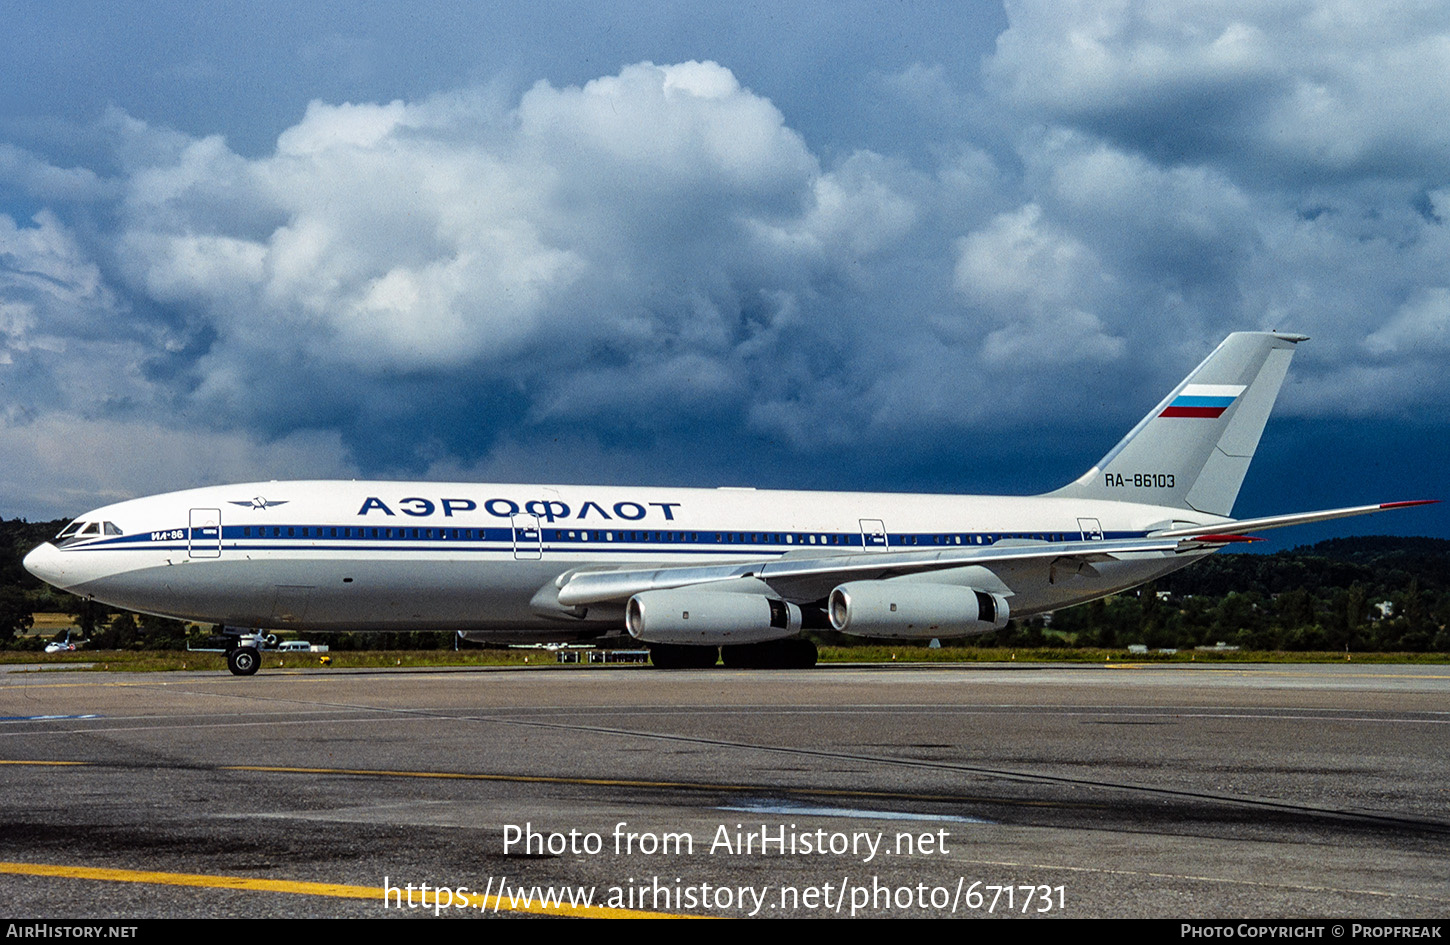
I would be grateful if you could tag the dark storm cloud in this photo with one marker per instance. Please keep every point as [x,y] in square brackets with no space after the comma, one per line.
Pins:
[662,271]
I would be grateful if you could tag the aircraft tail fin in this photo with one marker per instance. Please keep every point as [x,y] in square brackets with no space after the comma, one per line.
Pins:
[1193,449]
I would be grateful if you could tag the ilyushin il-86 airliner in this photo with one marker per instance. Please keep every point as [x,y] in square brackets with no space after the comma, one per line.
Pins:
[692,573]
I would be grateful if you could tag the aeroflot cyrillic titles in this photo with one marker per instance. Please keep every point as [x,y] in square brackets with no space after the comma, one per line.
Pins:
[693,573]
[550,510]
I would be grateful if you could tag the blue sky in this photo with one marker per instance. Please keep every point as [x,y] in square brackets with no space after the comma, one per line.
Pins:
[906,246]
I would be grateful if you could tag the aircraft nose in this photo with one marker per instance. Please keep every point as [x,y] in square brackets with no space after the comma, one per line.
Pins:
[45,562]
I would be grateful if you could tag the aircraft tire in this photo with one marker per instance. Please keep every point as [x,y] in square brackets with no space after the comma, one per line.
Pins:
[244,661]
[740,656]
[671,656]
[800,654]
[776,654]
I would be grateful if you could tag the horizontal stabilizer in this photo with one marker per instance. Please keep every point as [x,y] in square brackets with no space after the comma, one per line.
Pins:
[1279,521]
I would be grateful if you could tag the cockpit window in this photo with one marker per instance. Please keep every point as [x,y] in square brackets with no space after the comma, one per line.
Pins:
[80,531]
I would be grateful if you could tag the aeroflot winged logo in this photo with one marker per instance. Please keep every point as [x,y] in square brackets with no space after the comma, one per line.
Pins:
[257,503]
[1203,400]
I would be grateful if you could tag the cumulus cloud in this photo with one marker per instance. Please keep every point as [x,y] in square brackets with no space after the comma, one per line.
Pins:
[61,464]
[437,235]
[1421,324]
[654,270]
[647,248]
[35,176]
[1236,165]
[44,275]
[1036,282]
[1282,89]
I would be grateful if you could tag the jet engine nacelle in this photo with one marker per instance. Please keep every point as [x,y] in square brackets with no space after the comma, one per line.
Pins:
[710,618]
[908,610]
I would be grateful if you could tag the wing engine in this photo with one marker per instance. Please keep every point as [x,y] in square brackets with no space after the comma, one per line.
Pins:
[692,615]
[908,610]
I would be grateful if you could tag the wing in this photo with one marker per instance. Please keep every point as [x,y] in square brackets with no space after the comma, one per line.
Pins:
[812,576]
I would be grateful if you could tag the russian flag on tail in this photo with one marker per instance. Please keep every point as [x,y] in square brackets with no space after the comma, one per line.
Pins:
[1203,400]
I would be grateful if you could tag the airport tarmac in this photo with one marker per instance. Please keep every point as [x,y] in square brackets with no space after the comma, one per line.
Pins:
[1120,790]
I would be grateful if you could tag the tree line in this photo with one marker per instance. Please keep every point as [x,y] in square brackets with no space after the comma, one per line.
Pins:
[1379,593]
[1376,593]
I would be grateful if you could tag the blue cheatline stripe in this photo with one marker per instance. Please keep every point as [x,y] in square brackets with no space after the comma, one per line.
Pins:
[494,540]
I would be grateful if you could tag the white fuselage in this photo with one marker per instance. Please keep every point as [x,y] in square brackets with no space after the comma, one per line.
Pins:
[362,556]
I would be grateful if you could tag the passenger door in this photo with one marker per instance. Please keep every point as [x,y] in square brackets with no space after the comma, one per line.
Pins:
[204,537]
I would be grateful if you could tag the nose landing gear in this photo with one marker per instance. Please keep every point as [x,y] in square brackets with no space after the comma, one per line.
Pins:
[244,660]
[243,648]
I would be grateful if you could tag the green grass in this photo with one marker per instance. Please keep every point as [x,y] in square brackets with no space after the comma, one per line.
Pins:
[182,660]
[917,654]
[178,661]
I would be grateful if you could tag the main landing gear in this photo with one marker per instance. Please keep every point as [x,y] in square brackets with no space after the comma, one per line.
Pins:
[776,654]
[673,656]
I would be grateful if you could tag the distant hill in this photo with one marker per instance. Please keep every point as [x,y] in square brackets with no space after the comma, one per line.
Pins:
[1426,558]
[1381,563]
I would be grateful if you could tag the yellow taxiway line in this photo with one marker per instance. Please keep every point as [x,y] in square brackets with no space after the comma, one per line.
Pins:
[475,902]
